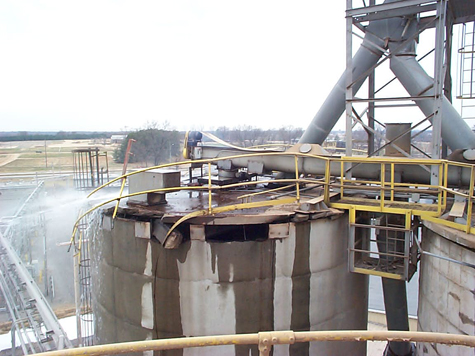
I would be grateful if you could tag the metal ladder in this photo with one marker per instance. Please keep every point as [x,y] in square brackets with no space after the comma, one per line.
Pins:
[466,87]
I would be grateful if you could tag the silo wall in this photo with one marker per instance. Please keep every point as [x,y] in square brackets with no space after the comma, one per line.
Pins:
[446,289]
[301,282]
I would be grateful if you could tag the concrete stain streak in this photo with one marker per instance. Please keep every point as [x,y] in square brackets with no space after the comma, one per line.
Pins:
[300,319]
[147,306]
[148,261]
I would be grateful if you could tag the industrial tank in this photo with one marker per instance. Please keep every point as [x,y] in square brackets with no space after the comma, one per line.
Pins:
[446,288]
[238,274]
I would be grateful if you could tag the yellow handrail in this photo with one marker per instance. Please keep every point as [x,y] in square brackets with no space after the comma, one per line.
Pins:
[265,341]
[344,184]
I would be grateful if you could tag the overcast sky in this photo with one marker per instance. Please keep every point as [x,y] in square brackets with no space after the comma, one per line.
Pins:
[112,64]
[107,65]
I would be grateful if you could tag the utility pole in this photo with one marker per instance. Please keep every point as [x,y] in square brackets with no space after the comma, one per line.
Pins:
[46,157]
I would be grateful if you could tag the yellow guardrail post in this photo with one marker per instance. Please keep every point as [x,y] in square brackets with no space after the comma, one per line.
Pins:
[444,194]
[342,177]
[407,239]
[352,237]
[383,174]
[469,208]
[326,189]
[440,197]
[297,185]
[118,200]
[392,182]
[210,196]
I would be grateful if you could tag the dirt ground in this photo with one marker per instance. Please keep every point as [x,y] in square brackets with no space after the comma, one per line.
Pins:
[7,158]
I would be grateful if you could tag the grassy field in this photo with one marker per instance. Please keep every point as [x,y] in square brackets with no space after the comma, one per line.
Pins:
[49,156]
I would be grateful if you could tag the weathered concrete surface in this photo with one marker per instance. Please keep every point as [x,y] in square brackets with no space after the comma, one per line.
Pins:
[446,292]
[208,288]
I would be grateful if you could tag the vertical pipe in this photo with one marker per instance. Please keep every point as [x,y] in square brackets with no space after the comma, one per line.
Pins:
[348,82]
[371,106]
[438,88]
[124,171]
[370,114]
[97,167]
[297,185]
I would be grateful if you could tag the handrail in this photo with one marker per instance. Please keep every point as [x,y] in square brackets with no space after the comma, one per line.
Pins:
[265,341]
[386,183]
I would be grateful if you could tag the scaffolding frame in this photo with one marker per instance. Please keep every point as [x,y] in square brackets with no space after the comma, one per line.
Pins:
[354,18]
[88,168]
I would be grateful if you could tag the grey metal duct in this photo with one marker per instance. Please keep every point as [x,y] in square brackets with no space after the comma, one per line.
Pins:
[456,176]
[455,132]
[373,46]
[334,105]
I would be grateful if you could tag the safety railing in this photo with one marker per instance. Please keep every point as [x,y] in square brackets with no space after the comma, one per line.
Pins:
[209,188]
[266,340]
[383,194]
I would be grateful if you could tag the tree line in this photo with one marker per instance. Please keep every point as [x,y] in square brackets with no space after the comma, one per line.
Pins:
[51,136]
[152,146]
[156,144]
[247,136]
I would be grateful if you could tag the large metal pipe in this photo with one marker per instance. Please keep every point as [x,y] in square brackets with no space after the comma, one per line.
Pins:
[334,105]
[380,35]
[455,131]
[410,173]
[367,56]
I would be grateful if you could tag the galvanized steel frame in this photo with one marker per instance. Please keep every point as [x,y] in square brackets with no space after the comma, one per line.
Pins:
[377,12]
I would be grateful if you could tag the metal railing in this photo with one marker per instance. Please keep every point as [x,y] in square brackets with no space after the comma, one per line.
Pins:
[266,340]
[382,195]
